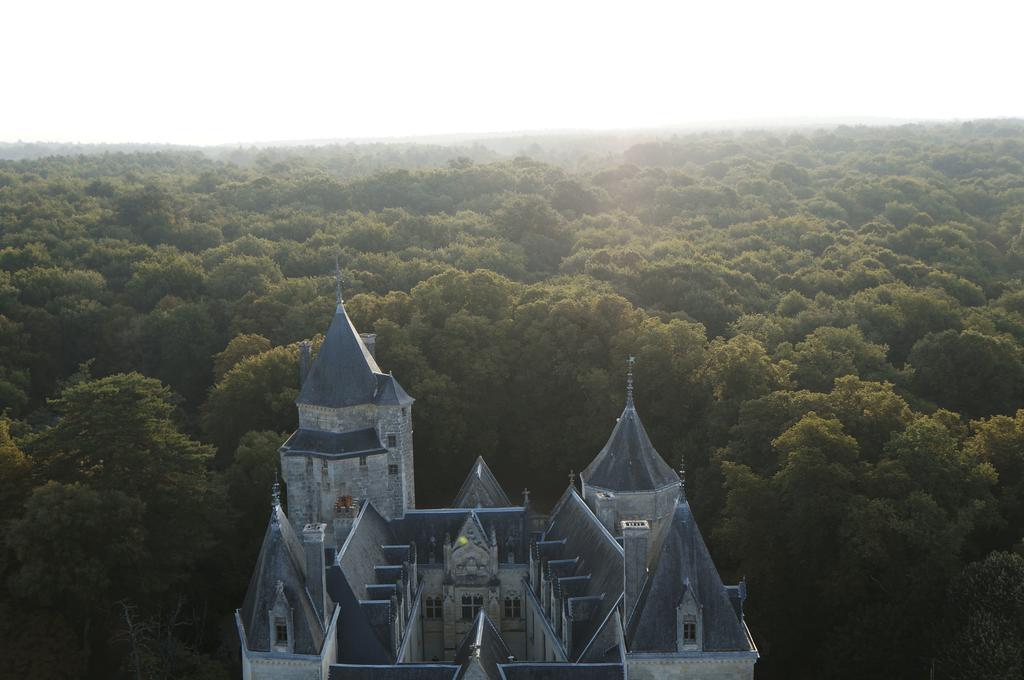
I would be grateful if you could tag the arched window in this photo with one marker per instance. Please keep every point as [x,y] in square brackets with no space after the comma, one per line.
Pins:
[513,606]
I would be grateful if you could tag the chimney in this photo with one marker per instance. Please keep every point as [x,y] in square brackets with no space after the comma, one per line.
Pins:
[316,575]
[370,340]
[305,360]
[636,534]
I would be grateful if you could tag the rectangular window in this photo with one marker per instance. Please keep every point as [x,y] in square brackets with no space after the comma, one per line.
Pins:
[513,607]
[433,607]
[471,606]
[280,632]
[392,441]
[362,461]
[392,469]
[689,632]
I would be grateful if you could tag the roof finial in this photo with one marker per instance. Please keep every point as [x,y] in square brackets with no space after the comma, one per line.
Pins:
[275,494]
[526,497]
[572,478]
[629,381]
[337,281]
[682,474]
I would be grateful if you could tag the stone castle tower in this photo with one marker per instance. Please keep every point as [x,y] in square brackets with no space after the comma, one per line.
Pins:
[354,438]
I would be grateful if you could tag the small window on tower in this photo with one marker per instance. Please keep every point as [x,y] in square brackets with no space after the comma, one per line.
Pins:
[392,441]
[392,469]
[362,461]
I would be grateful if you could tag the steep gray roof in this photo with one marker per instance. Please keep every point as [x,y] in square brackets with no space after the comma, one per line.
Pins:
[281,560]
[364,634]
[482,651]
[333,445]
[683,562]
[608,644]
[590,570]
[481,489]
[364,549]
[390,393]
[629,462]
[344,372]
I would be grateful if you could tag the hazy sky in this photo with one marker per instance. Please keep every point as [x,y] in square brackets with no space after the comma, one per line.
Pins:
[221,71]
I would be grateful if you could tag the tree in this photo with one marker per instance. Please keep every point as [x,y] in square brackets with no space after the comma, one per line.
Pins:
[242,346]
[829,353]
[969,372]
[15,471]
[258,393]
[999,442]
[99,538]
[116,434]
[985,620]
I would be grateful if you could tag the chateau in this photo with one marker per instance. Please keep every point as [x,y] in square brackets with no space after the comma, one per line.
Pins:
[356,582]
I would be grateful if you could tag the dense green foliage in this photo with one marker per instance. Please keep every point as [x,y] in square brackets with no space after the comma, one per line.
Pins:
[828,329]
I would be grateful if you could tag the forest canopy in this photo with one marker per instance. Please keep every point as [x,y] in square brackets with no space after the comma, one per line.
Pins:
[828,328]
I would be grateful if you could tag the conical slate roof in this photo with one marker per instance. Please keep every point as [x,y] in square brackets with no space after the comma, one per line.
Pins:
[344,372]
[684,564]
[481,489]
[629,462]
[281,565]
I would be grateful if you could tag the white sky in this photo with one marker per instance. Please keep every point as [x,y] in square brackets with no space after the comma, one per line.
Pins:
[220,71]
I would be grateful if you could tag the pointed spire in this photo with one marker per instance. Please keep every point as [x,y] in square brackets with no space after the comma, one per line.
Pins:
[337,282]
[526,497]
[629,381]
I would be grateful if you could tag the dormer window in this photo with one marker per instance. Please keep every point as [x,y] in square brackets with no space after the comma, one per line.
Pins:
[688,623]
[690,630]
[280,633]
[280,620]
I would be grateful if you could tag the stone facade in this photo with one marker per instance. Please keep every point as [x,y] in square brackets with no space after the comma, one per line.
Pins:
[315,483]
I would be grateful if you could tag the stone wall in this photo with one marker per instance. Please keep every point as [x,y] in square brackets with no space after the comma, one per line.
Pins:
[314,484]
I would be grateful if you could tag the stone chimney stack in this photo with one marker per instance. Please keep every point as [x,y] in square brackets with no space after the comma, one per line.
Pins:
[305,360]
[370,340]
[316,576]
[636,536]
